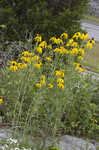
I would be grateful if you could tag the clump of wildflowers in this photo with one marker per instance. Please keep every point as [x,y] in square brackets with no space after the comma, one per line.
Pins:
[43,74]
[44,52]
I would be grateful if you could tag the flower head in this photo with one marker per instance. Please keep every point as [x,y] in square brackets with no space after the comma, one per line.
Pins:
[39,50]
[43,44]
[60,85]
[38,38]
[64,35]
[1,100]
[50,85]
[38,85]
[48,59]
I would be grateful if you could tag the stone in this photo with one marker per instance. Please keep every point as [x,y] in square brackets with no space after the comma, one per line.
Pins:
[66,142]
[73,143]
[5,134]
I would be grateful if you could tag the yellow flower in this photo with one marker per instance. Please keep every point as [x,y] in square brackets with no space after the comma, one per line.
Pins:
[62,74]
[56,41]
[81,69]
[59,73]
[22,58]
[1,100]
[26,59]
[38,38]
[80,57]
[74,51]
[95,121]
[20,66]
[43,44]
[39,50]
[38,65]
[50,85]
[60,85]
[60,80]
[74,44]
[43,77]
[62,50]
[24,66]
[57,50]
[48,58]
[13,62]
[67,52]
[14,68]
[89,44]
[31,54]
[43,82]
[82,36]
[25,53]
[92,41]
[38,85]
[77,35]
[64,35]
[69,43]
[86,36]
[82,51]
[78,68]
[77,64]
[53,39]
[59,41]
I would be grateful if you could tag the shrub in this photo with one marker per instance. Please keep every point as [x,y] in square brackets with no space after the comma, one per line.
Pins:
[44,91]
[44,17]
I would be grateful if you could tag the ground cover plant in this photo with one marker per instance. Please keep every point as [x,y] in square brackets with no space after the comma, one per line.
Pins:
[43,92]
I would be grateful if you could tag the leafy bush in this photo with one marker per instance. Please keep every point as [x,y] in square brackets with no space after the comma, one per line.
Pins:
[44,17]
[44,92]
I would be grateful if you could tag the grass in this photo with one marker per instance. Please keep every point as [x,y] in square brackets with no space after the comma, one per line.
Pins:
[91,19]
[91,60]
[97,148]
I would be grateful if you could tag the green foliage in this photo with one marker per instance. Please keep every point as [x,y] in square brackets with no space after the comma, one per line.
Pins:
[42,111]
[44,17]
[81,114]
